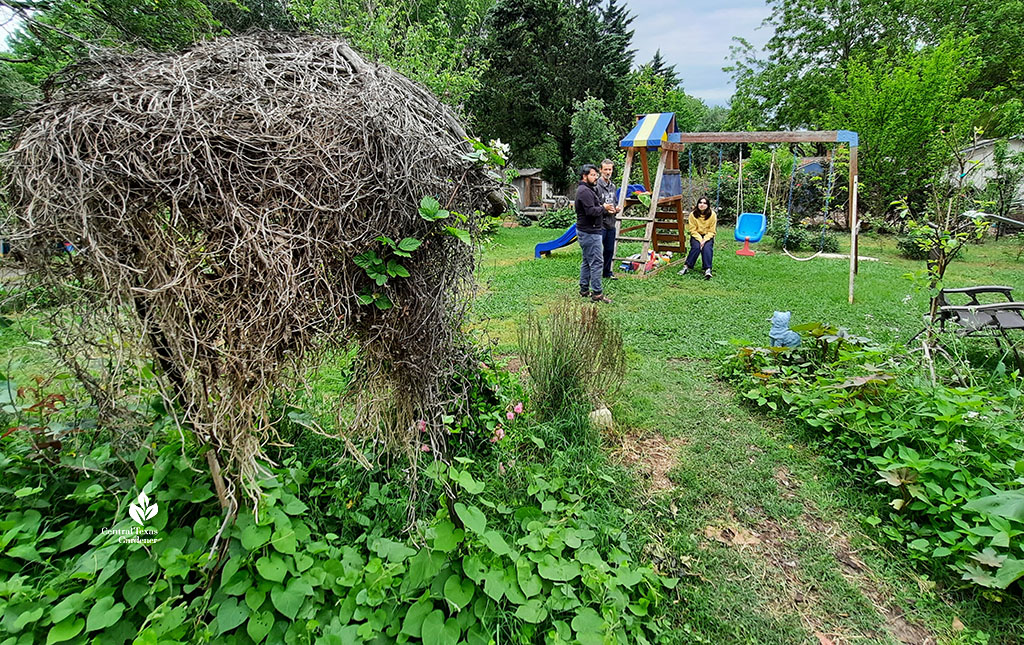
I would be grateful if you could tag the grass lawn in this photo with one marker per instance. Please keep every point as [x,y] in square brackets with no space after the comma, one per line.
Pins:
[766,530]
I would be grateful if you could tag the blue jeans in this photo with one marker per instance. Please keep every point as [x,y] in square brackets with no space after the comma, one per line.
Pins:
[609,251]
[705,253]
[593,261]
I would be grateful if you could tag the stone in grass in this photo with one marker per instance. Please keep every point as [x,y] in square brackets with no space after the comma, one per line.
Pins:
[601,419]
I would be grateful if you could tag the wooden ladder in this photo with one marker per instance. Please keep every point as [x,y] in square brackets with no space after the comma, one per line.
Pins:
[652,213]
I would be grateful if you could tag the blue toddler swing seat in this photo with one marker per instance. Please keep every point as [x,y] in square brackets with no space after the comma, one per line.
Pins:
[750,227]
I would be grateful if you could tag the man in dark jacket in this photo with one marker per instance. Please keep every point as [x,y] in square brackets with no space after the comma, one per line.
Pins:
[590,212]
[606,195]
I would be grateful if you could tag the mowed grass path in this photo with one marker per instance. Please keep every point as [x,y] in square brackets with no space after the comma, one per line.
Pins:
[766,531]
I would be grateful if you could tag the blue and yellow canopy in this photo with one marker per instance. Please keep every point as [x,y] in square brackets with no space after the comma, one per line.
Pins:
[649,132]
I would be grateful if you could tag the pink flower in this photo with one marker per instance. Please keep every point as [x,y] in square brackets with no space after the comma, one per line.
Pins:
[494,440]
[510,415]
[424,447]
[422,425]
[518,409]
[499,433]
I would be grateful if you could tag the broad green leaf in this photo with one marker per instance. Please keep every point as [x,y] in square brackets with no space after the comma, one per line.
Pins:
[429,208]
[1008,504]
[254,598]
[104,614]
[472,517]
[288,600]
[230,615]
[458,591]
[558,570]
[529,582]
[259,625]
[415,617]
[461,234]
[495,542]
[532,612]
[436,631]
[494,584]
[422,568]
[587,623]
[409,244]
[284,540]
[65,630]
[447,537]
[392,551]
[75,535]
[1010,571]
[67,607]
[474,568]
[272,568]
[254,536]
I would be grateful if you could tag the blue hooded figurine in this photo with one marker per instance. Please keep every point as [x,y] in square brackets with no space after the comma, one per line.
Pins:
[781,335]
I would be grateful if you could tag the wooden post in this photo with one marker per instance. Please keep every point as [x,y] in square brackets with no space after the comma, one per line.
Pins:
[854,224]
[643,164]
[622,199]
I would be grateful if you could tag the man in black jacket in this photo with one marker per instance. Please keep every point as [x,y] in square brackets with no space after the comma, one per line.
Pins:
[589,231]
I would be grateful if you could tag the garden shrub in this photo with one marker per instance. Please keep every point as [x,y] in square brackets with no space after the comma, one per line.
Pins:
[801,238]
[102,543]
[561,218]
[939,452]
[574,357]
[911,245]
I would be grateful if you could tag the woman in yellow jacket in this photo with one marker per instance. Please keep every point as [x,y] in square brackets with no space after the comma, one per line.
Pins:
[701,226]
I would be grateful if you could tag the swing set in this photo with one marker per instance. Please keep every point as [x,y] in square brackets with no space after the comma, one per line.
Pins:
[751,227]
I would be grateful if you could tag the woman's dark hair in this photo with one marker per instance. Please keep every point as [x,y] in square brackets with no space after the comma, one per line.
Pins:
[696,211]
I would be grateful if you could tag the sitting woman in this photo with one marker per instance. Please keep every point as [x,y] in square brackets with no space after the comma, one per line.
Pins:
[701,226]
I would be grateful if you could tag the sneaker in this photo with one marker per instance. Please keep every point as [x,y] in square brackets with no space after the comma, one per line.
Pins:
[600,297]
[610,277]
[707,274]
[584,294]
[684,270]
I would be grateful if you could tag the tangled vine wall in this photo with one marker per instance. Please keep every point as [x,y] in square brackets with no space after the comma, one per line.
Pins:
[218,199]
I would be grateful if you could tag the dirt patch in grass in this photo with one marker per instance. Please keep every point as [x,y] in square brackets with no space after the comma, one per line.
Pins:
[653,455]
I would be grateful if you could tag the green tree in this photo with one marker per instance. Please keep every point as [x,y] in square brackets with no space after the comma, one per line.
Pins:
[807,55]
[650,92]
[593,136]
[668,72]
[542,61]
[431,42]
[902,110]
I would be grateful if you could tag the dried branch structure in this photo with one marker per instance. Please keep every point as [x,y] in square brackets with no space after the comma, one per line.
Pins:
[217,197]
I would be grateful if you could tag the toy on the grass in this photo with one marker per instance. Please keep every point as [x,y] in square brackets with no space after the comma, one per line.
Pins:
[781,335]
[633,263]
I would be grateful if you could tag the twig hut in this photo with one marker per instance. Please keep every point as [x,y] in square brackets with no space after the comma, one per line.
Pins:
[217,199]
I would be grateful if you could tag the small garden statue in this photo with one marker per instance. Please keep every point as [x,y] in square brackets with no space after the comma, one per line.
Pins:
[781,335]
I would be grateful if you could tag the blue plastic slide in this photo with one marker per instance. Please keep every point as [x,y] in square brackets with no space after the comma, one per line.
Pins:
[545,248]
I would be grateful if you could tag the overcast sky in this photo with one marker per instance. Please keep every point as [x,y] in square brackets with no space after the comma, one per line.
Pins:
[695,35]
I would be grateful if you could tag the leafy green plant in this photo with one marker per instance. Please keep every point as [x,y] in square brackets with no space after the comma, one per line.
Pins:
[948,457]
[561,218]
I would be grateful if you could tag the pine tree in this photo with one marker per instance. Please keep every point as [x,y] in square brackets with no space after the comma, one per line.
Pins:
[667,72]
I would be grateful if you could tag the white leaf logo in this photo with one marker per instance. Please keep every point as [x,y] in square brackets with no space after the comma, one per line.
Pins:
[141,510]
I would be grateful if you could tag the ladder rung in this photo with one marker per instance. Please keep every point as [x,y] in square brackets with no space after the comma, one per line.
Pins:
[632,239]
[633,217]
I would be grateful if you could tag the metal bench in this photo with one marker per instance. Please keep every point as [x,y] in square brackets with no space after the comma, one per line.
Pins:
[981,318]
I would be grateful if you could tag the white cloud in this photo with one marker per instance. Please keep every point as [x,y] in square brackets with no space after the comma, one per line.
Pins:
[695,36]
